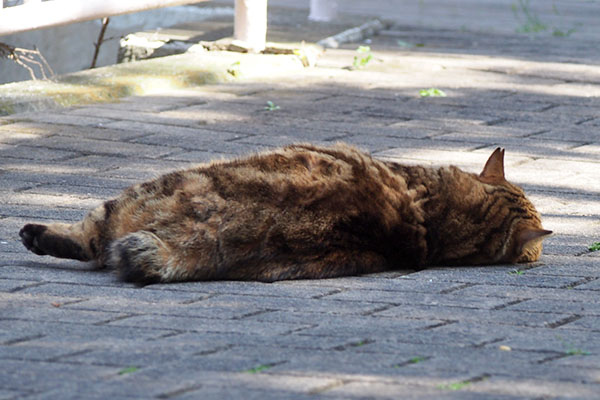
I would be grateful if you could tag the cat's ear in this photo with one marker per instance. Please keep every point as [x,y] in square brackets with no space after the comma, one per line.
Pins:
[530,236]
[493,172]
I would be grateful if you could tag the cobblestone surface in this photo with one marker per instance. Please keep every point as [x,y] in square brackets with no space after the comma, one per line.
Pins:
[505,332]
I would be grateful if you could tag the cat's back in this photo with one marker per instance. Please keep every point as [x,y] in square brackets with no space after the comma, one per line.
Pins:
[308,176]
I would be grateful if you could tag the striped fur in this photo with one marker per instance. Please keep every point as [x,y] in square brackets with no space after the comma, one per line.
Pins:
[301,212]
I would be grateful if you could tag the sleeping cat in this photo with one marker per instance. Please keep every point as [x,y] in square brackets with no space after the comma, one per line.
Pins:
[300,212]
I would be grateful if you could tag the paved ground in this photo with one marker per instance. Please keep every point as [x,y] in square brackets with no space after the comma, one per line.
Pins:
[69,331]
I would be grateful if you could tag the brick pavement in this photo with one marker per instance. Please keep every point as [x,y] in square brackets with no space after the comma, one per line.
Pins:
[503,332]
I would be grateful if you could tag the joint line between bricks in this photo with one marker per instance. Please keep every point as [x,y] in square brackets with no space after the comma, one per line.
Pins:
[22,340]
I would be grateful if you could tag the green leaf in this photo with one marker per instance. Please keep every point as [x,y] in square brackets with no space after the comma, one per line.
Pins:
[363,49]
[416,360]
[577,352]
[271,106]
[571,350]
[558,33]
[594,247]
[432,92]
[365,60]
[128,370]
[234,69]
[516,272]
[259,368]
[454,385]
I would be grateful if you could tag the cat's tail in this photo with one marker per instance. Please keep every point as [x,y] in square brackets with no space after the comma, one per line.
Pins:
[142,257]
[138,257]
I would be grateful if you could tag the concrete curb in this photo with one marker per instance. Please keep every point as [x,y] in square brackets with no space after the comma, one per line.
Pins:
[143,77]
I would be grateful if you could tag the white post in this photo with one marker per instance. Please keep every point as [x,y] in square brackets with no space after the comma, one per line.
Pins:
[323,10]
[250,24]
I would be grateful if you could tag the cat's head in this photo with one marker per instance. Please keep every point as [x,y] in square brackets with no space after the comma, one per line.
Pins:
[525,233]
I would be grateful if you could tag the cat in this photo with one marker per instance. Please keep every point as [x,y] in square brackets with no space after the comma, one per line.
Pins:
[301,212]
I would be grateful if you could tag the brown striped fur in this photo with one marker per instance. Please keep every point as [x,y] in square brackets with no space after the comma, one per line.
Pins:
[302,211]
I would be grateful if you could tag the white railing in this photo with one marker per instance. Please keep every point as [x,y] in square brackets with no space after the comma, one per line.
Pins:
[35,14]
[250,25]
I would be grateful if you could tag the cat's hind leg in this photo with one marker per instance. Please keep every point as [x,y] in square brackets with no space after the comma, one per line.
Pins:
[58,240]
[83,240]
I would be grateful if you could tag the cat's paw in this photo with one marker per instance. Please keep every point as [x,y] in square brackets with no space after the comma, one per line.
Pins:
[30,236]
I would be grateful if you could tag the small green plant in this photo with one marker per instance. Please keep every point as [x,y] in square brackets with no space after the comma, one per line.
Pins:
[516,272]
[234,69]
[594,246]
[531,23]
[416,360]
[462,384]
[577,352]
[128,370]
[364,57]
[271,106]
[454,386]
[571,350]
[432,92]
[259,368]
[559,33]
[306,57]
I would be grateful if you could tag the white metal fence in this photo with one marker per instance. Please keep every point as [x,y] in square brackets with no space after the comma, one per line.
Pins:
[37,14]
[250,15]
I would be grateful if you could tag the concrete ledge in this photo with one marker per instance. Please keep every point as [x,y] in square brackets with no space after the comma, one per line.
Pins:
[143,77]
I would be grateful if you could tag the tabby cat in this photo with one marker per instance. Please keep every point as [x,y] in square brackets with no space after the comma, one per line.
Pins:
[298,212]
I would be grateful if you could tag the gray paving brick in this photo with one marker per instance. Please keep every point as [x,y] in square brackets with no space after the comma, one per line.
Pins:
[51,199]
[89,195]
[44,376]
[198,324]
[458,298]
[62,118]
[20,130]
[50,312]
[277,289]
[198,156]
[54,175]
[500,275]
[520,338]
[103,147]
[289,304]
[96,131]
[111,290]
[23,154]
[206,143]
[76,335]
[537,388]
[555,306]
[456,314]
[7,394]
[190,308]
[114,166]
